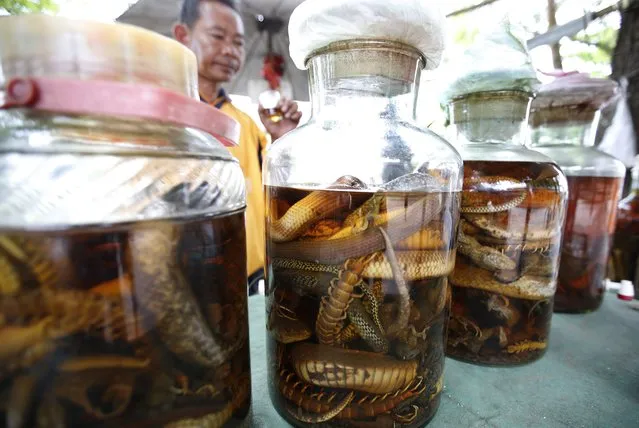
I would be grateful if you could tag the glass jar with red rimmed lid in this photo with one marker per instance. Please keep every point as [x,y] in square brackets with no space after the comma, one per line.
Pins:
[122,242]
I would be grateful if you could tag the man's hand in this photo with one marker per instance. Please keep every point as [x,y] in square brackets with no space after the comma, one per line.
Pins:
[291,119]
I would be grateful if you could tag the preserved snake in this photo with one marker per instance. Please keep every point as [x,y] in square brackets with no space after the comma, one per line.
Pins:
[508,247]
[327,366]
[332,252]
[220,418]
[368,327]
[162,288]
[413,265]
[483,256]
[474,201]
[316,206]
[353,259]
[106,347]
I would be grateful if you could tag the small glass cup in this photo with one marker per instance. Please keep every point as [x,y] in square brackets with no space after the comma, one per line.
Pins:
[269,100]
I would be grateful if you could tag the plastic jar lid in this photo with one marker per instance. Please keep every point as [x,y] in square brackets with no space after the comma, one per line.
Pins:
[575,91]
[117,70]
[47,46]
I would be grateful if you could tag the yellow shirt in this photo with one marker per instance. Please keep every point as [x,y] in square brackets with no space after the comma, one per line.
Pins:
[251,147]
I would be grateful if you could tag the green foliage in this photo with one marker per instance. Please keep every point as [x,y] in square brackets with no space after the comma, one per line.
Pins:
[598,46]
[16,7]
[604,39]
[466,36]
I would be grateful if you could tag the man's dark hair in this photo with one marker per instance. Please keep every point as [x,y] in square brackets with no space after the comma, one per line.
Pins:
[190,12]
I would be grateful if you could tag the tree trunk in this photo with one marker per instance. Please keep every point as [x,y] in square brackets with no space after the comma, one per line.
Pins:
[625,61]
[556,48]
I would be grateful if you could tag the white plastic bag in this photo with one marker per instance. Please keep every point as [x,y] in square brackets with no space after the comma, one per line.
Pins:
[317,23]
[619,138]
[497,61]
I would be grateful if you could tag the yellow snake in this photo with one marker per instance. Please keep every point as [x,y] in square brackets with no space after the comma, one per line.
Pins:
[472,199]
[415,265]
[314,207]
[327,366]
[401,225]
[527,287]
[401,245]
[490,226]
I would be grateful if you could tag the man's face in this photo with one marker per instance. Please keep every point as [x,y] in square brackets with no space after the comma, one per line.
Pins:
[217,39]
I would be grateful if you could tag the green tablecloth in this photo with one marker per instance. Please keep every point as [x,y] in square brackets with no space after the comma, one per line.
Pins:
[588,378]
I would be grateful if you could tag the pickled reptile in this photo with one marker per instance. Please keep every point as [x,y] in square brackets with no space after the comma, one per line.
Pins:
[504,279]
[349,263]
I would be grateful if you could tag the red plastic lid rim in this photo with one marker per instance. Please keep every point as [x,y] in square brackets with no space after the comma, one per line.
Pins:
[107,98]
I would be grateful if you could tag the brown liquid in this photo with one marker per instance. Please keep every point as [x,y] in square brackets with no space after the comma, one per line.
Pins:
[625,253]
[274,114]
[504,277]
[104,326]
[298,299]
[590,224]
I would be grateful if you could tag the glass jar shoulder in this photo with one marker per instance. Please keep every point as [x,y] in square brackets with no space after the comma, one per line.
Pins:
[584,161]
[495,177]
[44,132]
[375,152]
[509,168]
[504,152]
[72,172]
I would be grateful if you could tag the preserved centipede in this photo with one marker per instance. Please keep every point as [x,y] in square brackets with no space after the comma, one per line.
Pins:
[351,300]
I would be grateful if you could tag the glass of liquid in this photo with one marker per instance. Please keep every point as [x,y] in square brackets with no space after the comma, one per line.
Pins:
[269,100]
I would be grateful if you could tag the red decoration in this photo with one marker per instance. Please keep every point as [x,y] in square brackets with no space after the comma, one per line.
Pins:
[273,70]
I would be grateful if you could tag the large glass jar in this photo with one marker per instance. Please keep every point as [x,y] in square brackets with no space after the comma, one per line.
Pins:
[362,212]
[625,253]
[513,204]
[123,297]
[564,121]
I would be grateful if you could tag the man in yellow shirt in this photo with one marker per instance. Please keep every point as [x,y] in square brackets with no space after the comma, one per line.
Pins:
[214,31]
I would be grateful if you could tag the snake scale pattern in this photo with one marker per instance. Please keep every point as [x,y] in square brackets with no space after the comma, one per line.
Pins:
[505,277]
[345,265]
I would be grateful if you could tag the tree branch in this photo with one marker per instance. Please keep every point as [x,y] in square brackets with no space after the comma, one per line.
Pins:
[555,48]
[471,8]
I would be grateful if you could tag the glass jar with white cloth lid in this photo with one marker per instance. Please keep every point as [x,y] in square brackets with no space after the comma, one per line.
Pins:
[513,204]
[362,212]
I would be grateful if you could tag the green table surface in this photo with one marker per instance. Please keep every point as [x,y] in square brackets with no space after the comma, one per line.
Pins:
[589,377]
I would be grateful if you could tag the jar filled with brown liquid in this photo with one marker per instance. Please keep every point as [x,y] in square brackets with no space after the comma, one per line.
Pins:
[512,207]
[123,296]
[564,119]
[362,213]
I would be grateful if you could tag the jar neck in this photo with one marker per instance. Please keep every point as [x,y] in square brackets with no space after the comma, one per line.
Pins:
[363,80]
[499,118]
[564,126]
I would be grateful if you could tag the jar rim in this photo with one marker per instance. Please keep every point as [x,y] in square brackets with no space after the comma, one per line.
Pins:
[368,44]
[39,45]
[488,95]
